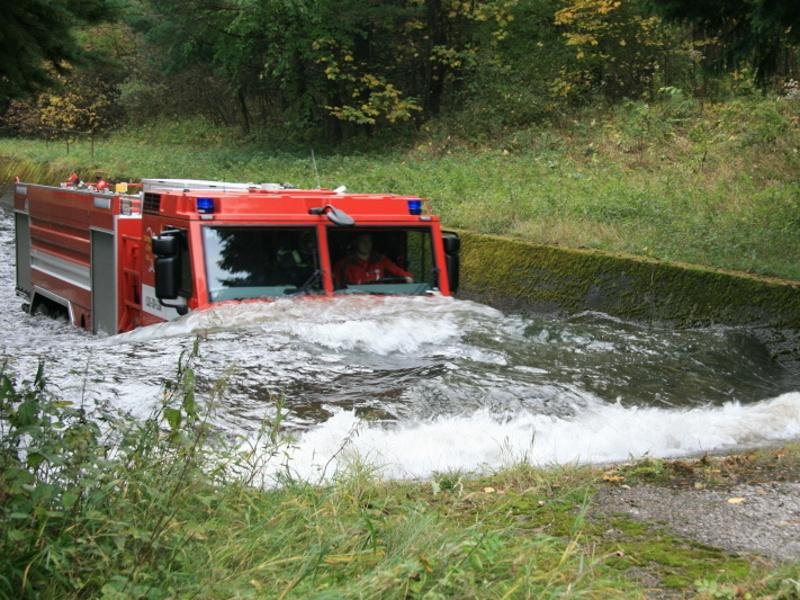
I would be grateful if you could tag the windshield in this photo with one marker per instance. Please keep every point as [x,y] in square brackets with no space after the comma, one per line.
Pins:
[388,260]
[259,262]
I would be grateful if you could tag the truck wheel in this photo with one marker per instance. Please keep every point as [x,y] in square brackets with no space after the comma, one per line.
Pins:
[49,308]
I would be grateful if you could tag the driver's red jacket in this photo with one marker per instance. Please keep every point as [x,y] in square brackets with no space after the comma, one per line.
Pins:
[352,269]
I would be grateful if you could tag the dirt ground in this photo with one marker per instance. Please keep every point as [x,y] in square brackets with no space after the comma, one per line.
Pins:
[746,504]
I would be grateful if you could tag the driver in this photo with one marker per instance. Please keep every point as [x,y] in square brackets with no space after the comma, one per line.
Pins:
[363,266]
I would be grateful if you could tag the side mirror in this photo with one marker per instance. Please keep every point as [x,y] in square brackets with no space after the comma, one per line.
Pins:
[452,243]
[452,246]
[167,265]
[453,263]
[168,274]
[165,245]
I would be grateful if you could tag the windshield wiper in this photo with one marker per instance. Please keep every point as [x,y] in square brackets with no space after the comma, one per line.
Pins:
[306,286]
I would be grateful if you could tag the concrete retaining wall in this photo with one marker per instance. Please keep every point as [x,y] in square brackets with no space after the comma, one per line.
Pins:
[524,276]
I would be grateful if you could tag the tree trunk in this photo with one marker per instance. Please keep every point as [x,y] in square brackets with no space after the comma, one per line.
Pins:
[244,111]
[434,71]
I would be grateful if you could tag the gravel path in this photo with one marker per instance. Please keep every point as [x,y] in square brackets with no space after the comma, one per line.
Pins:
[760,518]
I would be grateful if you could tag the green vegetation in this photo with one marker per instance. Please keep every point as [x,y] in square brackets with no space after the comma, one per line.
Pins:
[97,504]
[675,180]
[37,41]
[755,32]
[338,69]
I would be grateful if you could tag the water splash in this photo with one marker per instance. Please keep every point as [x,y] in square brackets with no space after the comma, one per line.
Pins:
[601,433]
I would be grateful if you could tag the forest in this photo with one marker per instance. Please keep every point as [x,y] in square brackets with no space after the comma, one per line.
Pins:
[337,70]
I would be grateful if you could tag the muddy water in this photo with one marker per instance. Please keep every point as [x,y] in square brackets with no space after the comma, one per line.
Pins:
[421,384]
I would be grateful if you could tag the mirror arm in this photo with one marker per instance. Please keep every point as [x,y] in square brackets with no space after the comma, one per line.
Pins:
[181,308]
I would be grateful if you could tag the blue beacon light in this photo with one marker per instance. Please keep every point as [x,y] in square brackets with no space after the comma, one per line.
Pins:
[415,206]
[205,206]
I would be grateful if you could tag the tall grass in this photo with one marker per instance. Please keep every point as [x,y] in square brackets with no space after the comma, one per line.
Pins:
[29,170]
[96,504]
[709,184]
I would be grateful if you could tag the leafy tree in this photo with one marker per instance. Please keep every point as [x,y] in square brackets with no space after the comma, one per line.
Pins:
[336,65]
[37,42]
[758,31]
[510,67]
[82,99]
[622,51]
[83,103]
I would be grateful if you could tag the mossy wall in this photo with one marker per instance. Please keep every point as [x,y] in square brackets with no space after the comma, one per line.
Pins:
[520,275]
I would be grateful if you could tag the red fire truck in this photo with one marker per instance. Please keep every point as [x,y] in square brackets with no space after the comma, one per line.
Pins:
[112,261]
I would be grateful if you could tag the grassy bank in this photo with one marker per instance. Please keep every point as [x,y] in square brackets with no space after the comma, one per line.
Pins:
[107,506]
[710,184]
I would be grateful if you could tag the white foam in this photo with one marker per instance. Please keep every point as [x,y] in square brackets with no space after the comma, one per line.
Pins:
[598,434]
[380,325]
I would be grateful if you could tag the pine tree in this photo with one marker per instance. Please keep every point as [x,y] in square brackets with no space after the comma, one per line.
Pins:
[36,40]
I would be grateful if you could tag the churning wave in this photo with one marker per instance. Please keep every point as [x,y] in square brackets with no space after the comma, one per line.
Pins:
[601,433]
